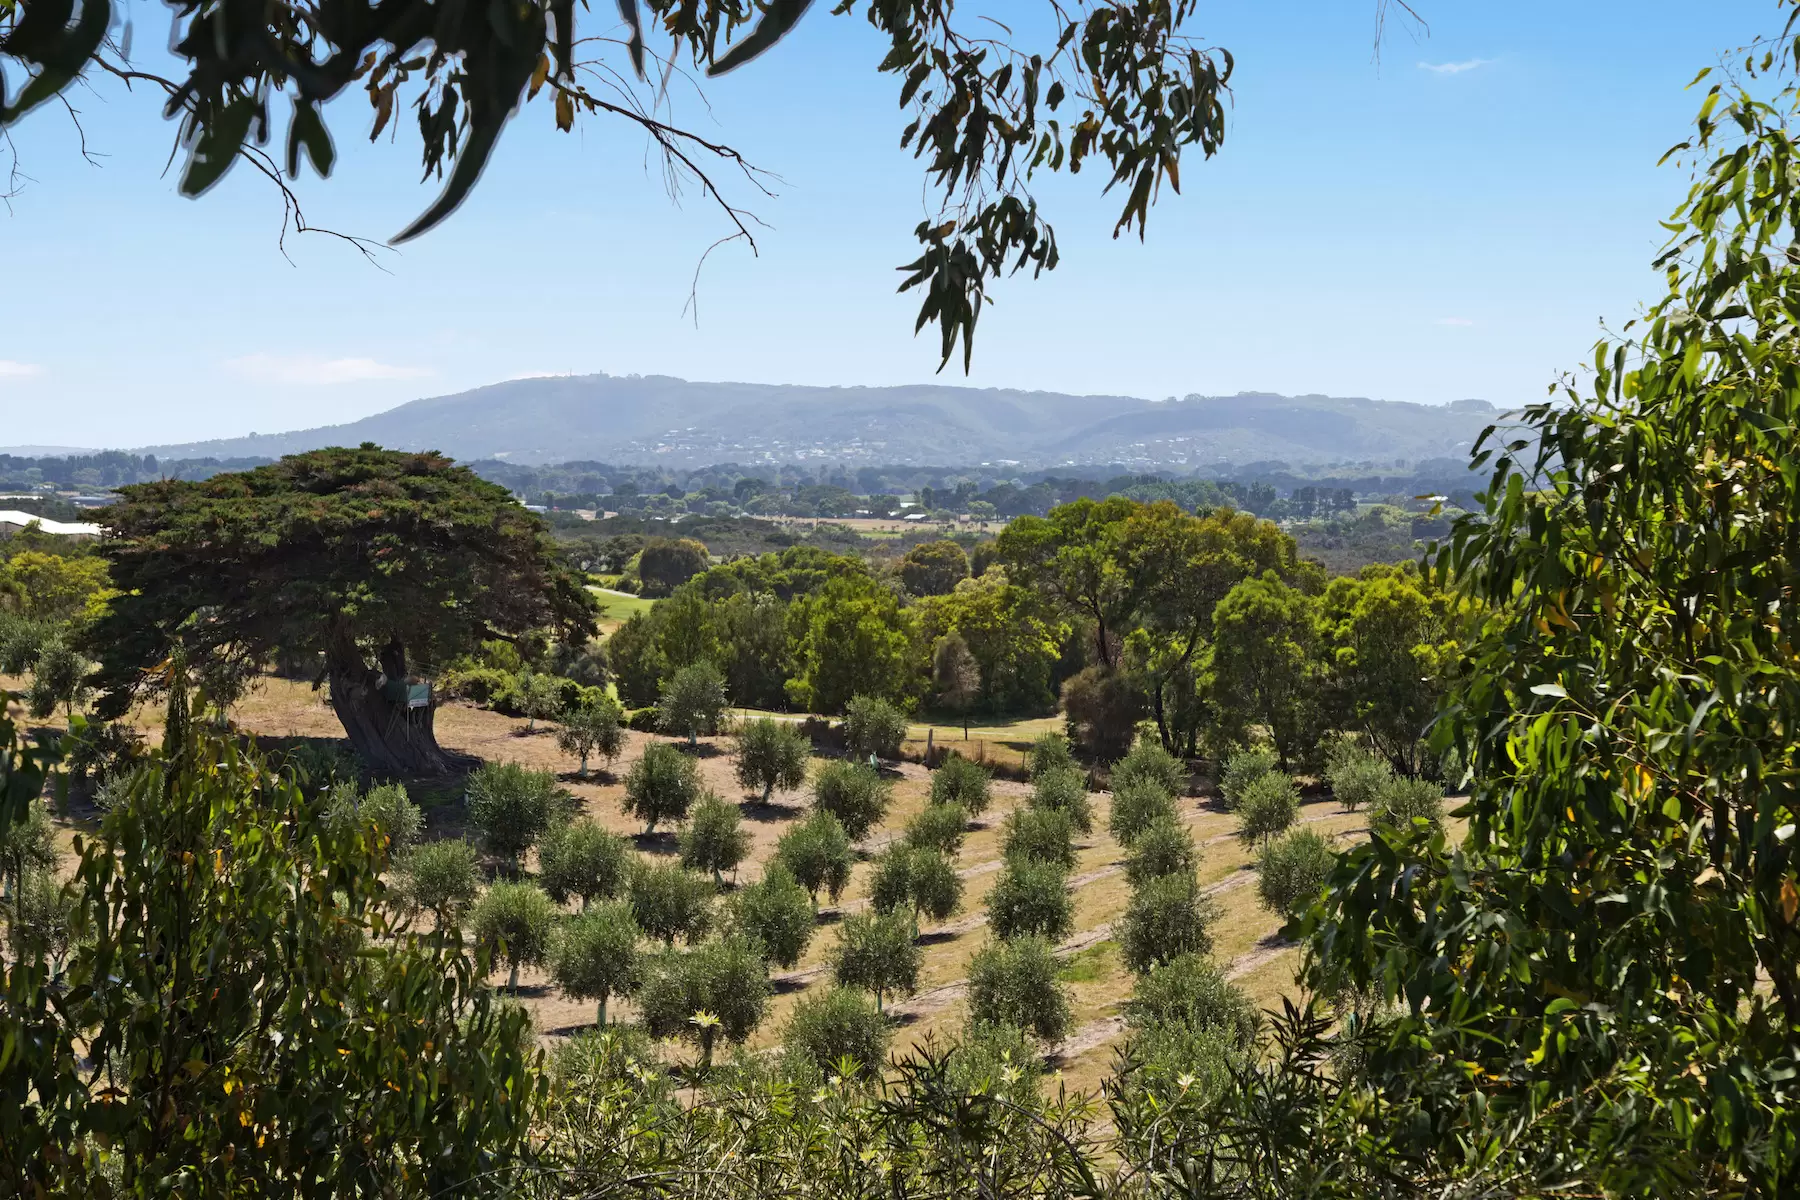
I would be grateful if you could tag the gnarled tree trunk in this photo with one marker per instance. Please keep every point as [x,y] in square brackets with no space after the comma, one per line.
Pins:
[386,734]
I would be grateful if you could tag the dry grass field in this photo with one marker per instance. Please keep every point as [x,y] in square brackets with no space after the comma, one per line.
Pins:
[1245,935]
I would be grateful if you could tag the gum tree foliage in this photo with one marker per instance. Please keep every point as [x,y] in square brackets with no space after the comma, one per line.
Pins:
[934,568]
[1118,87]
[778,913]
[661,786]
[771,754]
[850,638]
[1623,913]
[664,564]
[1262,666]
[854,793]
[387,564]
[1031,899]
[818,853]
[962,782]
[877,954]
[214,910]
[955,677]
[1102,706]
[1015,637]
[1018,983]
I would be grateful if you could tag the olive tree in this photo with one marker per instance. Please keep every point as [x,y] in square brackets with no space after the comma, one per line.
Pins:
[878,954]
[778,913]
[961,781]
[693,701]
[596,956]
[873,728]
[834,1026]
[718,989]
[514,922]
[771,754]
[584,860]
[661,786]
[817,851]
[1019,983]
[592,727]
[715,838]
[1031,899]
[441,878]
[669,902]
[510,807]
[854,793]
[1167,916]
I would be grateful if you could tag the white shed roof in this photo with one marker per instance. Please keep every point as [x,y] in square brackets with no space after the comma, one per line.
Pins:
[12,520]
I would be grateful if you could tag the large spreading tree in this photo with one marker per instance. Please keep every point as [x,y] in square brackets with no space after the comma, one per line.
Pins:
[382,565]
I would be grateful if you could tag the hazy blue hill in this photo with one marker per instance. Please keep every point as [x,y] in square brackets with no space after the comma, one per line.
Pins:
[661,419]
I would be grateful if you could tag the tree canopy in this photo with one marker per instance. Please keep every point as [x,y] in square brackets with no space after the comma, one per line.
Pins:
[381,565]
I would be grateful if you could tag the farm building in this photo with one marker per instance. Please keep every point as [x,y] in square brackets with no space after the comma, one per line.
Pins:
[12,521]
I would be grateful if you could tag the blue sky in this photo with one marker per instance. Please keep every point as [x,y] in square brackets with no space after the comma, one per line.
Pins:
[1451,220]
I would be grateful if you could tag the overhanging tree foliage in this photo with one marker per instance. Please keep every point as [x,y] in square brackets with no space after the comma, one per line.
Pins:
[1114,85]
[383,565]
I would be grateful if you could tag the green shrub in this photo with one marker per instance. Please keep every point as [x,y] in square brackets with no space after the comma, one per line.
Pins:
[1165,847]
[661,786]
[1016,983]
[1189,990]
[1031,899]
[1149,763]
[1064,790]
[582,859]
[872,726]
[835,1025]
[514,922]
[1136,805]
[960,781]
[772,754]
[1403,801]
[1291,871]
[1179,1072]
[540,697]
[918,879]
[510,807]
[39,915]
[1243,769]
[723,979]
[777,913]
[1268,806]
[1355,776]
[594,726]
[1166,918]
[1102,707]
[386,809]
[998,1061]
[668,902]
[1049,752]
[854,793]
[938,827]
[818,853]
[878,954]
[1039,835]
[715,838]
[693,701]
[440,878]
[596,956]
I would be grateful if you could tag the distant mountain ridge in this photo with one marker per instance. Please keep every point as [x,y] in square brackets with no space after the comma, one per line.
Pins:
[659,419]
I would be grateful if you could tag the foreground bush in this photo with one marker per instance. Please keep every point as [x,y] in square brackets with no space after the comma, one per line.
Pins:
[224,923]
[835,1025]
